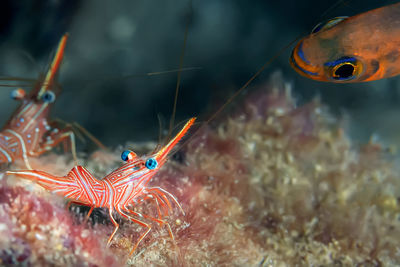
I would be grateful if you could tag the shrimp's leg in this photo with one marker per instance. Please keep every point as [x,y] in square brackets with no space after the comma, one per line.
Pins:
[89,135]
[138,222]
[115,229]
[87,215]
[158,209]
[156,199]
[80,132]
[162,193]
[166,206]
[160,196]
[159,201]
[161,222]
[55,137]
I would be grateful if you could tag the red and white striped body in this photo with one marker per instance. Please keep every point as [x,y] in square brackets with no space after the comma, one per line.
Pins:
[28,132]
[118,189]
[23,134]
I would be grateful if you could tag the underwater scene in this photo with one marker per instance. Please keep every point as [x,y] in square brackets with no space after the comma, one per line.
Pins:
[199,133]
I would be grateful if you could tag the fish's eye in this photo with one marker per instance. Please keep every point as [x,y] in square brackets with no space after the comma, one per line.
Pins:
[344,69]
[328,24]
[128,155]
[18,94]
[48,97]
[151,163]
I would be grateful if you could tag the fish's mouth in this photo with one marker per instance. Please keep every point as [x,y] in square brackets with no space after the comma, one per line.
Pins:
[300,63]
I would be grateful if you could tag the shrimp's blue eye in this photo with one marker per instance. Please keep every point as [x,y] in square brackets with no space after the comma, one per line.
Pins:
[18,94]
[48,97]
[124,155]
[151,164]
[128,155]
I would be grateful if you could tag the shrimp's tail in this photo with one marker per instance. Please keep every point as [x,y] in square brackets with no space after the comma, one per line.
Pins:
[47,181]
[77,185]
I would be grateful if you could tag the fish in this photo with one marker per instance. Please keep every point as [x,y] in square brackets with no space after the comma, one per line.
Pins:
[361,48]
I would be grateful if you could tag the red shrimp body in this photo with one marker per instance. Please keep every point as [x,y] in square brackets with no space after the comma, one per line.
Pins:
[21,137]
[119,190]
[28,132]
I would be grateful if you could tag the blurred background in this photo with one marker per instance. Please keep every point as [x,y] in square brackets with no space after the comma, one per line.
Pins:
[112,42]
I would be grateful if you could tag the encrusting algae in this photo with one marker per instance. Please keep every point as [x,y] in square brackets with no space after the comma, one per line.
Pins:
[272,185]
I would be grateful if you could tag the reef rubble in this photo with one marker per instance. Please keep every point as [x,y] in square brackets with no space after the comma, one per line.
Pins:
[272,184]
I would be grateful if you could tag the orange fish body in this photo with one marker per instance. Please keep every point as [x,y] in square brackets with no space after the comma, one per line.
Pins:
[362,48]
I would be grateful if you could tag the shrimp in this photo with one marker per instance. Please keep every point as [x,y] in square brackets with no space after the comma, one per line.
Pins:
[350,49]
[29,133]
[120,190]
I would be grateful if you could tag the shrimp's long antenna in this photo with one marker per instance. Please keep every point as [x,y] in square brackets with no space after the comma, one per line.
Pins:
[12,78]
[160,72]
[15,85]
[178,80]
[160,130]
[241,89]
[332,7]
[28,82]
[147,74]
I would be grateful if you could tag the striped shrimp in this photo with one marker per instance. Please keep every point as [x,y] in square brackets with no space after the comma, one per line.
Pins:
[29,133]
[120,190]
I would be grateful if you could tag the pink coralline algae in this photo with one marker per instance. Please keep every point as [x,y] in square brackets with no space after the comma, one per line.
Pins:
[271,185]
[39,231]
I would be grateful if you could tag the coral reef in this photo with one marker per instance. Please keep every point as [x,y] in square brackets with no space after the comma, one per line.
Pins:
[39,231]
[275,184]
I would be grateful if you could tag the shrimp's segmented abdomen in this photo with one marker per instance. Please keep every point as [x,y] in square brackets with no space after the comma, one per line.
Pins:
[78,185]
